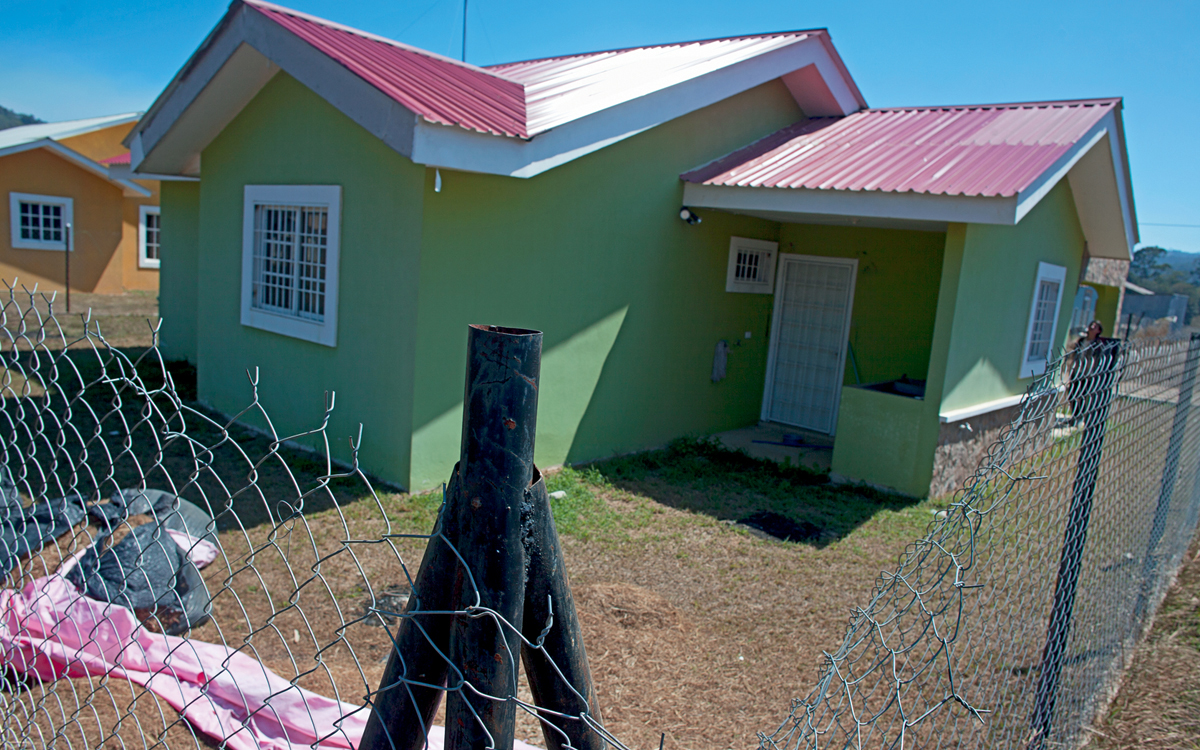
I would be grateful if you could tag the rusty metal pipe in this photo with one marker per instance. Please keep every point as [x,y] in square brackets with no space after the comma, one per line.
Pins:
[495,469]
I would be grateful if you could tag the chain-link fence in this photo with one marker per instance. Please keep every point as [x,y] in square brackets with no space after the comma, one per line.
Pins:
[1010,624]
[180,578]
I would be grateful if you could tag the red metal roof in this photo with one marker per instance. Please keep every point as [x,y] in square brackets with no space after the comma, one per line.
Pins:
[437,88]
[984,150]
[523,98]
[118,159]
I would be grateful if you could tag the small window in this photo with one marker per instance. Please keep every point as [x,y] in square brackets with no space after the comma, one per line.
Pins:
[39,222]
[290,253]
[148,236]
[1043,319]
[751,266]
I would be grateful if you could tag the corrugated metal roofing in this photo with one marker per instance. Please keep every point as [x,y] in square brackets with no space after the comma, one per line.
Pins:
[58,130]
[435,87]
[985,150]
[523,98]
[561,89]
[125,158]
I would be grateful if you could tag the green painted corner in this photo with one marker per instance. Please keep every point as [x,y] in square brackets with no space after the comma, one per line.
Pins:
[288,135]
[879,441]
[1108,307]
[177,281]
[995,295]
[890,440]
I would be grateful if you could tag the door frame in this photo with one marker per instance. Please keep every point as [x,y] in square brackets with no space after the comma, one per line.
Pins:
[777,314]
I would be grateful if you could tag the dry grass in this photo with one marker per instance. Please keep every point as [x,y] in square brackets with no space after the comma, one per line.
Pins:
[696,626]
[1158,706]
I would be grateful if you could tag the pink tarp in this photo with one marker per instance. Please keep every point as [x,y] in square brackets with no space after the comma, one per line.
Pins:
[48,629]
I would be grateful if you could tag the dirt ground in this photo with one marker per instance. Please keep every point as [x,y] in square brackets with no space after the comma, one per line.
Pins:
[698,629]
[1158,706]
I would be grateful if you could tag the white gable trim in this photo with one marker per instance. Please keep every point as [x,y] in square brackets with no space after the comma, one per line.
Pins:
[246,49]
[128,188]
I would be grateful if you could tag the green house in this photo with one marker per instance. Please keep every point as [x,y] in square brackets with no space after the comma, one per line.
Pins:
[709,234]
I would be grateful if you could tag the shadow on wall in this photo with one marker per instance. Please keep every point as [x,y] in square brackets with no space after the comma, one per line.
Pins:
[570,372]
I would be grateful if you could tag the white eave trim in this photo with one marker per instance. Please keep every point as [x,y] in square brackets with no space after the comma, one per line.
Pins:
[123,172]
[127,187]
[183,120]
[957,415]
[853,203]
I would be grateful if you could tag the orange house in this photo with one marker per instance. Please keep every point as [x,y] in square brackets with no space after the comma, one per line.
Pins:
[61,184]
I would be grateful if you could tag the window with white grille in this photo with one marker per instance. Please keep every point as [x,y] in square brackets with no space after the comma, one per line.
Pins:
[39,222]
[290,260]
[1040,341]
[751,266]
[149,228]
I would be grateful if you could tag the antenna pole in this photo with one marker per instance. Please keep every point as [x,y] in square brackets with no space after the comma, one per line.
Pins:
[464,49]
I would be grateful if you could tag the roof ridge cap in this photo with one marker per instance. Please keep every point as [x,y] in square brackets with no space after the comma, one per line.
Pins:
[377,38]
[999,105]
[816,31]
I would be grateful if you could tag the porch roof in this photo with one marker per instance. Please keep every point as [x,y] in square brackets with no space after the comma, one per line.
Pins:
[926,166]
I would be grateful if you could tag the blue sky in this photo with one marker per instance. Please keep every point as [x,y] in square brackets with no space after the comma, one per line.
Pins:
[65,60]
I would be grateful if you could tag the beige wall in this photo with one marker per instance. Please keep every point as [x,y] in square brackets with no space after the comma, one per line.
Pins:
[100,144]
[104,259]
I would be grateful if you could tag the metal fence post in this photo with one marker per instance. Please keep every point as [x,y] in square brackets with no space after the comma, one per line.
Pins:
[475,564]
[495,469]
[1101,360]
[1170,474]
[559,676]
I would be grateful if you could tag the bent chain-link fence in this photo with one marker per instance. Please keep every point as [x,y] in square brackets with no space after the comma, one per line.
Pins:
[1009,625]
[177,578]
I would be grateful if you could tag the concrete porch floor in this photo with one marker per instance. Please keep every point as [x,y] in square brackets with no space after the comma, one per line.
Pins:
[766,440]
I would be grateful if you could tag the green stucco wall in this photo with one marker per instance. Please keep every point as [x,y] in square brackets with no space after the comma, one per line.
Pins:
[1108,303]
[180,206]
[631,299]
[288,135]
[994,297]
[895,294]
[889,440]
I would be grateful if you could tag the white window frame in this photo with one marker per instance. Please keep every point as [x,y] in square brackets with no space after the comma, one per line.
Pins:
[766,285]
[14,220]
[143,261]
[328,197]
[1031,367]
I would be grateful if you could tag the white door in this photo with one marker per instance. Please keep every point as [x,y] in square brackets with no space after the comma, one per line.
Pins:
[809,333]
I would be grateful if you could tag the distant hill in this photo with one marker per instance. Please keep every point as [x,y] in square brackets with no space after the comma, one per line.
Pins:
[10,119]
[1180,260]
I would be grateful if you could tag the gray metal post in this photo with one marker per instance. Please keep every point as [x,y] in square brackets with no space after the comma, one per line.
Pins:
[67,262]
[1100,360]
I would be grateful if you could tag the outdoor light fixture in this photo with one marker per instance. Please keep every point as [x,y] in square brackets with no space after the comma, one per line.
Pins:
[689,215]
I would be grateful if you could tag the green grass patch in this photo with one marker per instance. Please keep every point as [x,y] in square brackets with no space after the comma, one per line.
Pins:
[704,477]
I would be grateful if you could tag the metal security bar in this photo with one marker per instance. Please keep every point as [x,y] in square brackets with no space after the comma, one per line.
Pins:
[177,578]
[1010,623]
